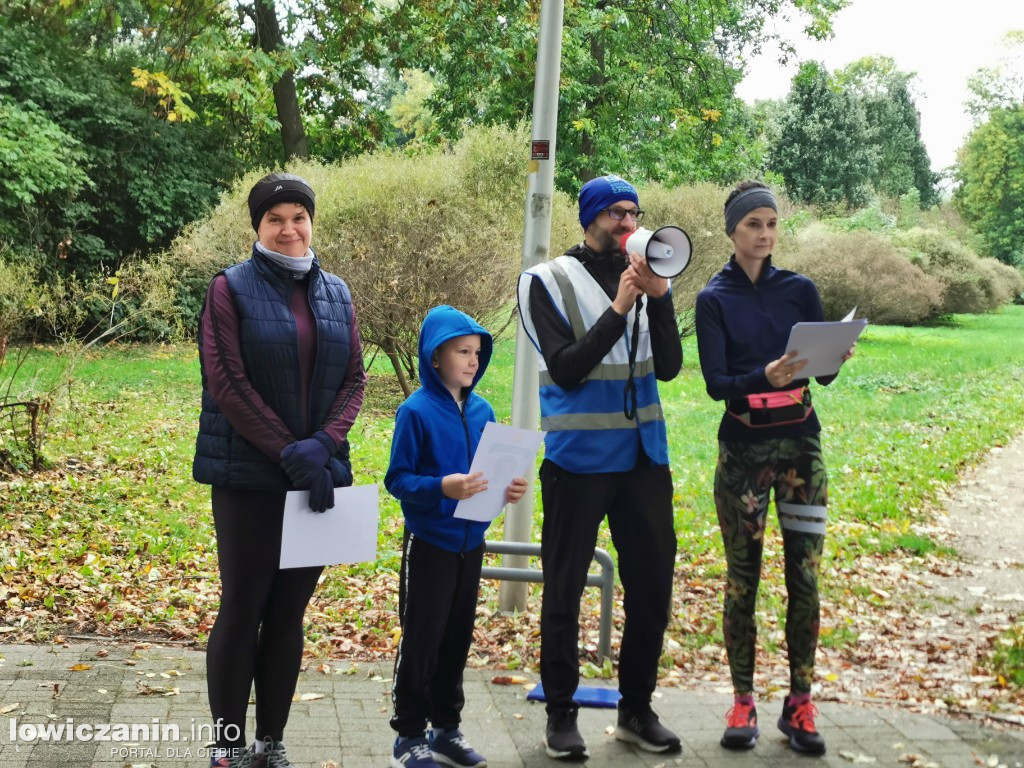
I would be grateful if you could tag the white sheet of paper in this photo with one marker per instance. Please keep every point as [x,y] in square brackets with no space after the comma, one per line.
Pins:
[504,453]
[347,533]
[823,345]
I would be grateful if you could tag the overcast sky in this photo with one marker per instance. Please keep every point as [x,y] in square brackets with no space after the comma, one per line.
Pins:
[944,43]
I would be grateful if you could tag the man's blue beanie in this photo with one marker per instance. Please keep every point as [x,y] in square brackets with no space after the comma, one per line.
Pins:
[597,194]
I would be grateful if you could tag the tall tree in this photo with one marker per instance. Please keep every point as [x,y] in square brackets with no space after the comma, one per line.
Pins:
[823,150]
[990,165]
[271,40]
[990,170]
[893,127]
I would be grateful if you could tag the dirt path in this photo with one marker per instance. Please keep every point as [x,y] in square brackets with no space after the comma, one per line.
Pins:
[984,522]
[972,600]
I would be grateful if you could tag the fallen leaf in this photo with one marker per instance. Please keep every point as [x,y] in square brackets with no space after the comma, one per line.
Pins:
[9,708]
[307,697]
[508,680]
[80,667]
[857,758]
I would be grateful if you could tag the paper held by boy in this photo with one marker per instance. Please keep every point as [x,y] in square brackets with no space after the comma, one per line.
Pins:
[346,533]
[823,345]
[503,454]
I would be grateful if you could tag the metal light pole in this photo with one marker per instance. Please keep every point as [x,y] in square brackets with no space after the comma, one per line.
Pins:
[536,244]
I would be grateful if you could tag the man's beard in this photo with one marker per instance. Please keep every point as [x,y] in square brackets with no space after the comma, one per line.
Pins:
[607,244]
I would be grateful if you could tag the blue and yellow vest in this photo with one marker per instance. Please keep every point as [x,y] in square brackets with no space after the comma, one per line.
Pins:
[587,429]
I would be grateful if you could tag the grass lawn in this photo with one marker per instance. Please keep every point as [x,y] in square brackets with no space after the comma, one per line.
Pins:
[114,537]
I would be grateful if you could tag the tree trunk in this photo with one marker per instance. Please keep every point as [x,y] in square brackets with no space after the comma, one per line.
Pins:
[403,380]
[270,40]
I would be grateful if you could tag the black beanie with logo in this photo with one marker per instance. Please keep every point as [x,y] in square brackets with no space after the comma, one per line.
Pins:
[279,188]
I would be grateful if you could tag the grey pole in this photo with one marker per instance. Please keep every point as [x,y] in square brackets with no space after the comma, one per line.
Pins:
[536,244]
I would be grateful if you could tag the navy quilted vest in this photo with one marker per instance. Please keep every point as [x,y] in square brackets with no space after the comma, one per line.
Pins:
[268,337]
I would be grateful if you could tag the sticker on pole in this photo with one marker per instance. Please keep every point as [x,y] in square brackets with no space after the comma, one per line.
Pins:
[540,150]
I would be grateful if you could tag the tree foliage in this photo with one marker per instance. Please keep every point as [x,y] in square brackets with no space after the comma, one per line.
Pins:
[646,87]
[990,167]
[991,176]
[893,128]
[823,150]
[1000,86]
[97,175]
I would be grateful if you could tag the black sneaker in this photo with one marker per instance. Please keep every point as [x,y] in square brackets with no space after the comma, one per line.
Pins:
[797,722]
[273,755]
[562,739]
[644,730]
[740,727]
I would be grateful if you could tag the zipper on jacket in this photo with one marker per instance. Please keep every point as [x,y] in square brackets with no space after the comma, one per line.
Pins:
[310,427]
[469,456]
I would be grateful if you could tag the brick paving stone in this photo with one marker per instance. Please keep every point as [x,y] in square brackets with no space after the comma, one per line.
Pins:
[350,724]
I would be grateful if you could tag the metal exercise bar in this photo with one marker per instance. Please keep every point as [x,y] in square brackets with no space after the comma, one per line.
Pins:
[605,580]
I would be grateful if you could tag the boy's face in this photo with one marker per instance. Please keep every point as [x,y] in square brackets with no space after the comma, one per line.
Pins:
[457,360]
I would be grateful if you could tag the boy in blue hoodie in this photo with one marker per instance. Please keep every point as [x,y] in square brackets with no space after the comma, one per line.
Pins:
[436,434]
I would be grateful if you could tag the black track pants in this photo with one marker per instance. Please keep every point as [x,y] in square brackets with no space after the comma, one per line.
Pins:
[257,637]
[437,606]
[638,504]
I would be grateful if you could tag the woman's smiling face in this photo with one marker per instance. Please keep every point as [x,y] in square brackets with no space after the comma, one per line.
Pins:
[287,229]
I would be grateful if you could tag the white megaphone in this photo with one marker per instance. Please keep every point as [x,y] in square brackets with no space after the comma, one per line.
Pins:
[667,249]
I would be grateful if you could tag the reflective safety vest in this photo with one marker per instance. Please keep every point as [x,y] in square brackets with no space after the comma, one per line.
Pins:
[588,431]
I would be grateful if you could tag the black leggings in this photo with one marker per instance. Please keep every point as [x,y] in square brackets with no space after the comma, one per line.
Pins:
[258,633]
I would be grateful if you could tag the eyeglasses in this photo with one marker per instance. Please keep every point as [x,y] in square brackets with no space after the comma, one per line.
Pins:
[618,214]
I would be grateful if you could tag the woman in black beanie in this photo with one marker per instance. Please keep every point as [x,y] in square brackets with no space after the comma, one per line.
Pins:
[283,381]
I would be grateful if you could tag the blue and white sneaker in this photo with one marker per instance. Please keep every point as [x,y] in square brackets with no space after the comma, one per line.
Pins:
[413,753]
[451,748]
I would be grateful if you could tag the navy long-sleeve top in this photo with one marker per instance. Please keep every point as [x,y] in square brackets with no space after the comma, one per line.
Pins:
[741,327]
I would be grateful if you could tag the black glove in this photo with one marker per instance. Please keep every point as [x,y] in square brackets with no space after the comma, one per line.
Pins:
[304,459]
[321,492]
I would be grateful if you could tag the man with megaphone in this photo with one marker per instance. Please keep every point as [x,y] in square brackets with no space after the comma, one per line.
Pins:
[604,326]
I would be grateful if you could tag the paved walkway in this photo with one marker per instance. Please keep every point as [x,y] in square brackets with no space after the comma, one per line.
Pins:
[342,717]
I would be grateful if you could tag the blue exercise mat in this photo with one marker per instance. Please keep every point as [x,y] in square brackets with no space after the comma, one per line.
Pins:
[585,696]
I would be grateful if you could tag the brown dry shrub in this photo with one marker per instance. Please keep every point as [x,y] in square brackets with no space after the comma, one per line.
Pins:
[864,270]
[973,283]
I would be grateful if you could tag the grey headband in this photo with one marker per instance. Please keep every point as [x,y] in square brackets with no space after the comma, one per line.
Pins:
[745,202]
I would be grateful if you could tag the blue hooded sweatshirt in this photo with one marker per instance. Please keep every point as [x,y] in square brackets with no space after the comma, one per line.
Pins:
[434,438]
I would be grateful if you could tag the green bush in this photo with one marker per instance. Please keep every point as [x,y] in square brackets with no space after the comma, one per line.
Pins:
[96,177]
[871,218]
[15,286]
[864,270]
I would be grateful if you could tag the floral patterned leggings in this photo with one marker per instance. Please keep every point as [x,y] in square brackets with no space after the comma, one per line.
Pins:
[747,473]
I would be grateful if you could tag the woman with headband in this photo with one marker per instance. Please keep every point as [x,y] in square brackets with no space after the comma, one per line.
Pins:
[768,441]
